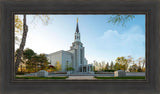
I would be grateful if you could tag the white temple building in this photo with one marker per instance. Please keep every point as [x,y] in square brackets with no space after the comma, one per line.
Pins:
[75,57]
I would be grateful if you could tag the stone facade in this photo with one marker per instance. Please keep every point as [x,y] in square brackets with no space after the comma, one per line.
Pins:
[75,57]
[120,73]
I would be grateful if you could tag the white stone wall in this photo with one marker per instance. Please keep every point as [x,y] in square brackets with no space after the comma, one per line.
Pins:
[54,57]
[62,57]
[85,61]
[73,58]
[66,56]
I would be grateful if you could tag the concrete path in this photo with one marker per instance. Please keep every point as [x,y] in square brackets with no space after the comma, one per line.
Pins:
[81,78]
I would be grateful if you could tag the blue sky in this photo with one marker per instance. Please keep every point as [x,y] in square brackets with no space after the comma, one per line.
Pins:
[102,41]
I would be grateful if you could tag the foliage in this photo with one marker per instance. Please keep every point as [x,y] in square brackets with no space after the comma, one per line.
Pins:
[143,69]
[18,23]
[99,66]
[18,29]
[51,68]
[20,73]
[70,69]
[40,62]
[111,66]
[34,62]
[109,70]
[58,66]
[43,62]
[130,77]
[117,66]
[120,19]
[139,69]
[133,68]
[107,66]
[45,19]
[28,53]
[123,63]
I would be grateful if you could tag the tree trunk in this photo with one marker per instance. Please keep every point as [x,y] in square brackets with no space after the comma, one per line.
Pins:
[20,51]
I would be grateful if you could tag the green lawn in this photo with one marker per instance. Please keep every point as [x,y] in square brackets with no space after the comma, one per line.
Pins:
[41,77]
[132,77]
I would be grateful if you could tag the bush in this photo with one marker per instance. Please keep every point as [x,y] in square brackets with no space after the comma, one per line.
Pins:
[109,70]
[139,70]
[20,73]
[70,69]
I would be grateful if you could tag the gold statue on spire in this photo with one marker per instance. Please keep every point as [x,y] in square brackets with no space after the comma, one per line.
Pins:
[77,19]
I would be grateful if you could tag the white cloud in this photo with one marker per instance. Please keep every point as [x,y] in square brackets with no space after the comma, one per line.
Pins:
[130,42]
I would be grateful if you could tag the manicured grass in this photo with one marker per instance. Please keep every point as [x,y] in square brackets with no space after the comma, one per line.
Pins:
[132,77]
[41,77]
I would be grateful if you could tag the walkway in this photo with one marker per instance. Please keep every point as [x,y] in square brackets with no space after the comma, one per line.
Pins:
[81,78]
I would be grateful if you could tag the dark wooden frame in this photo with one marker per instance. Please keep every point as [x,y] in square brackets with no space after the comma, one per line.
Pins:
[8,85]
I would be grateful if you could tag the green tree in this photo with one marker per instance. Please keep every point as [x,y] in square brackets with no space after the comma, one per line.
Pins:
[140,61]
[116,66]
[70,69]
[27,56]
[112,66]
[28,53]
[123,63]
[120,19]
[44,64]
[107,66]
[35,62]
[133,68]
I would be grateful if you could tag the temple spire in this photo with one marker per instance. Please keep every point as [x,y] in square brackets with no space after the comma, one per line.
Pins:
[77,34]
[77,29]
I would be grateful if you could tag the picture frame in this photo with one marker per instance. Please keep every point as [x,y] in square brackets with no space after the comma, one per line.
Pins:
[11,86]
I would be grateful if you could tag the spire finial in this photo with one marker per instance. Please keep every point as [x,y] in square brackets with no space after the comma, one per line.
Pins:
[77,19]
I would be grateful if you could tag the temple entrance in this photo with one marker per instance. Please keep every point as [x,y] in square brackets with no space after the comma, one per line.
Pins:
[83,69]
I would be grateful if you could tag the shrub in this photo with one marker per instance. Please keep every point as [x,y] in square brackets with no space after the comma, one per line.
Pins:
[20,73]
[139,70]
[109,70]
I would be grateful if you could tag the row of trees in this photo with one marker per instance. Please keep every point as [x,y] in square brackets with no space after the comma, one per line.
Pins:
[121,63]
[33,62]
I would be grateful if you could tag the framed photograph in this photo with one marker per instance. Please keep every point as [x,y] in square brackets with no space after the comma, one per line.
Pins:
[79,47]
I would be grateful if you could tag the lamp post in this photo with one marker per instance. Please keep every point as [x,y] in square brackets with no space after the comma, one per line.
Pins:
[67,65]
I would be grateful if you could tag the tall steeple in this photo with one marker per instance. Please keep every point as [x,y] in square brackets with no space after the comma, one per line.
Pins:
[77,29]
[77,34]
